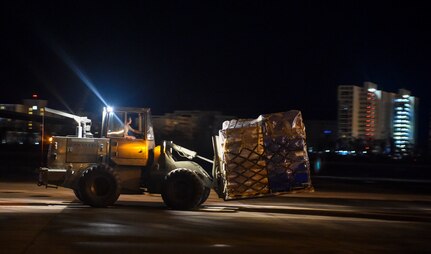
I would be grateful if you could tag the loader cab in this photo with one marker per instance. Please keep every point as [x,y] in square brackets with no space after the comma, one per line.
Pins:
[127,147]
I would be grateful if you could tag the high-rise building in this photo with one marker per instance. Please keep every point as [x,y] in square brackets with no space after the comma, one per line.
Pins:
[364,112]
[368,114]
[405,123]
[385,112]
[348,111]
[368,103]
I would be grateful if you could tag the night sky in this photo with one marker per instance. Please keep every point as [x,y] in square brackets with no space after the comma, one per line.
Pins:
[242,58]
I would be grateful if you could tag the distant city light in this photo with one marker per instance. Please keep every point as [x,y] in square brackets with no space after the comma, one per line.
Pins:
[327,132]
[317,165]
[34,107]
[401,100]
[34,95]
[343,152]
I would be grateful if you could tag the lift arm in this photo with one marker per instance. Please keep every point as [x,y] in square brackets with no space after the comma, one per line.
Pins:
[84,124]
[189,154]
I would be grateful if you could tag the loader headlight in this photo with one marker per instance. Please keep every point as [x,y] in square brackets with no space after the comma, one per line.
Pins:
[109,109]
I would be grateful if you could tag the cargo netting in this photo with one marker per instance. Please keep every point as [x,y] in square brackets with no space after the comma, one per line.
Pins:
[264,156]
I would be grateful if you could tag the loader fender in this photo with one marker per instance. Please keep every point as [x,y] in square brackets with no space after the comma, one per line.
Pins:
[193,166]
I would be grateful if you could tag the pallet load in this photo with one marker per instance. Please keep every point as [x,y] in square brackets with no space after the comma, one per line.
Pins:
[264,156]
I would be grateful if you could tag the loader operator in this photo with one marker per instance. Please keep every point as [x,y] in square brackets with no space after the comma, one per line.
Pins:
[129,132]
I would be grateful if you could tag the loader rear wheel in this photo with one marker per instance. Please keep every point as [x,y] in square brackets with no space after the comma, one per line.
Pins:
[182,189]
[99,186]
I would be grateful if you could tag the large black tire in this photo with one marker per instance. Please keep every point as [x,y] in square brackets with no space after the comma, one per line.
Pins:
[78,195]
[205,195]
[182,189]
[99,186]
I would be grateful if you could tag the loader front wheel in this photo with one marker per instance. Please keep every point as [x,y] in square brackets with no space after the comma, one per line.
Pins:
[205,195]
[182,189]
[78,195]
[99,186]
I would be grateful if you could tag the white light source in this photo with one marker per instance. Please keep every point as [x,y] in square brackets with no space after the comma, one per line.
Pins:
[371,90]
[109,109]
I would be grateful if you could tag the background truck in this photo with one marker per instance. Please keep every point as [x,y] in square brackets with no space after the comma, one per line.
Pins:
[252,158]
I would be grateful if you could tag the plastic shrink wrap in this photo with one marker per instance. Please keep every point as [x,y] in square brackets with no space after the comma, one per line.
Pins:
[264,156]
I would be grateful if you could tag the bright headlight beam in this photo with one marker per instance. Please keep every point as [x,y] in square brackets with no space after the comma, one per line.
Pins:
[68,61]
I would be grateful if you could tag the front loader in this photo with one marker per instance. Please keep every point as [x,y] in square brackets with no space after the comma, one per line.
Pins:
[98,170]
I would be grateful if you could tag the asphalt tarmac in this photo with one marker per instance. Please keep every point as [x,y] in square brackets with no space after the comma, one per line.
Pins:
[340,216]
